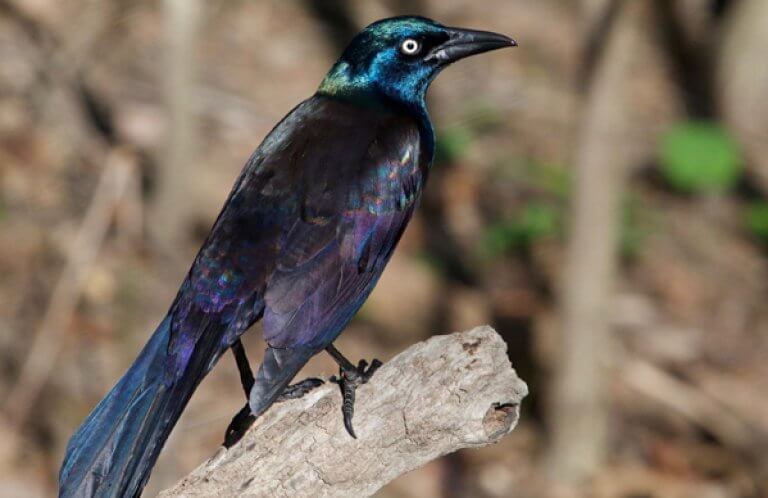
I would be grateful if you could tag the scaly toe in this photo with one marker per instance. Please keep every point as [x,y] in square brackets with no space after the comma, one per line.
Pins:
[299,389]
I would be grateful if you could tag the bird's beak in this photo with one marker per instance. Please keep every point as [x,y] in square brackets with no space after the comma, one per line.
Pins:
[465,42]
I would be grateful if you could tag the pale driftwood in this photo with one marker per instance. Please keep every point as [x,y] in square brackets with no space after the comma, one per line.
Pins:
[447,393]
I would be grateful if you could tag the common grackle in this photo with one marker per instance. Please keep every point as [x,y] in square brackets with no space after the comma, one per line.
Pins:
[300,243]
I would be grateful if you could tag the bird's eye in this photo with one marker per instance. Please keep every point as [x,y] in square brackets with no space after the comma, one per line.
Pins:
[410,46]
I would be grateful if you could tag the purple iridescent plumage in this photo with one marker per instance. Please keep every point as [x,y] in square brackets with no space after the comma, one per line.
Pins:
[313,232]
[302,240]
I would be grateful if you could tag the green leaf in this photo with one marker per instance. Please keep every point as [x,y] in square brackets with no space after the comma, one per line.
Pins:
[433,261]
[756,219]
[535,221]
[452,144]
[700,157]
[483,118]
[553,178]
[634,227]
[539,220]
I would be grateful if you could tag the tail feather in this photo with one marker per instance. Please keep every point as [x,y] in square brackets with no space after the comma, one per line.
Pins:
[96,450]
[112,453]
[114,450]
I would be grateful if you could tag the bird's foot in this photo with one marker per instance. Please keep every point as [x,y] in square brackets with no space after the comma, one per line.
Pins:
[349,379]
[245,419]
[299,389]
[239,426]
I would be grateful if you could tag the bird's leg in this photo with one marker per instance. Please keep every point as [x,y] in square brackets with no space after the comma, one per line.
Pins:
[243,366]
[350,377]
[244,418]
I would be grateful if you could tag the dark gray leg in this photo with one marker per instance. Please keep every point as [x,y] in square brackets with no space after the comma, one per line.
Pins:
[244,418]
[243,366]
[350,377]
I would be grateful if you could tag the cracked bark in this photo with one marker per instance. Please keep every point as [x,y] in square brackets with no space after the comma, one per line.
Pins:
[449,392]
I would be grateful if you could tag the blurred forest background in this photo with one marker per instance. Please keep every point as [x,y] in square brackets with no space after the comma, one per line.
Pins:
[600,197]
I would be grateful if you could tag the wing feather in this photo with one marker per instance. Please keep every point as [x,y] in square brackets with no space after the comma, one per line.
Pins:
[307,229]
[308,304]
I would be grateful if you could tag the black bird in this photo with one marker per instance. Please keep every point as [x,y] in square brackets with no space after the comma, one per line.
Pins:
[300,243]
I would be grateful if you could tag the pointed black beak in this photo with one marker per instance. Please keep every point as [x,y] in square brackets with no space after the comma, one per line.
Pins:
[465,42]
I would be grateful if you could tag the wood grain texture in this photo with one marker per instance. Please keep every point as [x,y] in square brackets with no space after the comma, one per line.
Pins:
[449,392]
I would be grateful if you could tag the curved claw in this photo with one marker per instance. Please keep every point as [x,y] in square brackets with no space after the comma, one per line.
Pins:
[348,381]
[348,406]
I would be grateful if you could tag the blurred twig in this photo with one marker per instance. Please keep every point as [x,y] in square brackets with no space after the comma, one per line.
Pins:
[169,218]
[336,19]
[579,408]
[61,92]
[693,67]
[27,23]
[407,7]
[696,405]
[742,82]
[58,61]
[597,17]
[49,336]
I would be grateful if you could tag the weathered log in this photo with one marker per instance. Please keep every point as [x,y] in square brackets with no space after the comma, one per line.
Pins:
[449,392]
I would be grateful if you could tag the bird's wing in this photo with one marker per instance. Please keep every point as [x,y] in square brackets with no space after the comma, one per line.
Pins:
[307,203]
[332,256]
[223,293]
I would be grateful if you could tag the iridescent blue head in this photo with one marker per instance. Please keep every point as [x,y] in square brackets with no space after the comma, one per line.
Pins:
[396,59]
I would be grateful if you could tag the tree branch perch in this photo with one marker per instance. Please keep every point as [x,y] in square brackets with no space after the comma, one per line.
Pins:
[447,393]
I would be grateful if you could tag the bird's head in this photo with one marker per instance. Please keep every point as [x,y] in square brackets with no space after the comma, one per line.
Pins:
[398,58]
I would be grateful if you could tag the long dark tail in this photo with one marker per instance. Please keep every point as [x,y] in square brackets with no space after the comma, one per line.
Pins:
[113,451]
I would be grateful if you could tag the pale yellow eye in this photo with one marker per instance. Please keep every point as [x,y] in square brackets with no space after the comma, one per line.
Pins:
[410,46]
